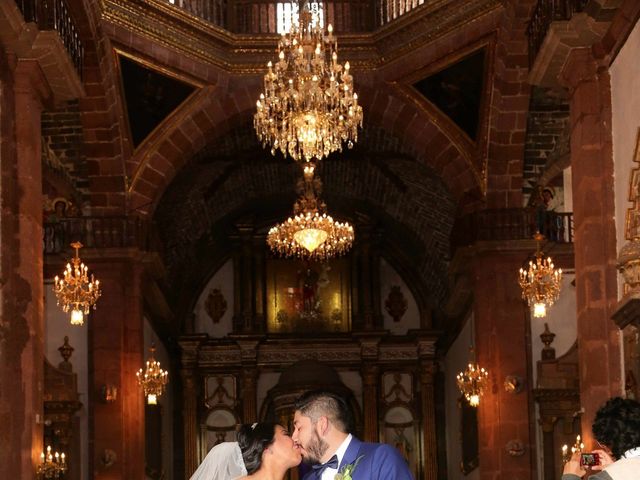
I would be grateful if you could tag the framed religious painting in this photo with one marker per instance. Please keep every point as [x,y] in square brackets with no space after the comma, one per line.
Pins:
[308,297]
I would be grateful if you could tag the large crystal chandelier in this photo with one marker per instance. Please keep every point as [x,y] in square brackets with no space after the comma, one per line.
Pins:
[75,291]
[473,381]
[308,107]
[152,379]
[540,283]
[310,234]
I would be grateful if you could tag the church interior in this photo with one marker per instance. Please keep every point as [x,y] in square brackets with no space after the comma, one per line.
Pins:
[442,224]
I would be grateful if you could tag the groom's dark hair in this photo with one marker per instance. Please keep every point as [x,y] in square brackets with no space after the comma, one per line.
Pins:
[318,403]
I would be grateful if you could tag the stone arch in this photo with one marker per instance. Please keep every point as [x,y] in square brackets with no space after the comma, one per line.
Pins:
[211,113]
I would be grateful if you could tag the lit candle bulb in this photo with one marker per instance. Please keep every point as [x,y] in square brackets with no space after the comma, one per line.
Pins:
[62,457]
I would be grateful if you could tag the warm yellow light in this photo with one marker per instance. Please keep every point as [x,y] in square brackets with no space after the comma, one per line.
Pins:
[77,317]
[539,310]
[308,108]
[474,400]
[310,234]
[540,282]
[77,290]
[152,379]
[310,238]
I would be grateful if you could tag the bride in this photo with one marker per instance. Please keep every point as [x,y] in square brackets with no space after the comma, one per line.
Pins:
[264,451]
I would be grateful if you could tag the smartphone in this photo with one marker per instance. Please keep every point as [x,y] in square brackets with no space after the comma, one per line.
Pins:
[589,459]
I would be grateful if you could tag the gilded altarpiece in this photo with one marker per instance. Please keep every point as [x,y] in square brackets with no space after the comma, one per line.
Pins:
[308,297]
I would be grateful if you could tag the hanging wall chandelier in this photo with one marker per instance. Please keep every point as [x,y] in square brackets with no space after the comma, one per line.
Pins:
[310,234]
[76,292]
[152,379]
[473,381]
[308,108]
[541,282]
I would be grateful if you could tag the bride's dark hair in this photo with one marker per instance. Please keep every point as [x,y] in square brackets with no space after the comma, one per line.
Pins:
[253,440]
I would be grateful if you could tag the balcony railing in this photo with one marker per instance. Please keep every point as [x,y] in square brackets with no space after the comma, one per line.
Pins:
[261,16]
[96,232]
[513,224]
[55,15]
[545,12]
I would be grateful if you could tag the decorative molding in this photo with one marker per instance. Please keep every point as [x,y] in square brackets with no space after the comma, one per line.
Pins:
[182,32]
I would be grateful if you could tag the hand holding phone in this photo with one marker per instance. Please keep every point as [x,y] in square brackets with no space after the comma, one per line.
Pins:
[589,459]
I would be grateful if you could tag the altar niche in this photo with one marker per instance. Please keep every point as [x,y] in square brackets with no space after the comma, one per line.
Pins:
[308,296]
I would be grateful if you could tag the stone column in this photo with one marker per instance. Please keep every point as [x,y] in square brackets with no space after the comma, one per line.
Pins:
[427,403]
[501,348]
[249,354]
[23,90]
[595,232]
[116,347]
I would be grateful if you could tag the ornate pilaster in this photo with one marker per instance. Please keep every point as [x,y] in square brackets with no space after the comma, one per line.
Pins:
[370,381]
[190,348]
[248,352]
[427,371]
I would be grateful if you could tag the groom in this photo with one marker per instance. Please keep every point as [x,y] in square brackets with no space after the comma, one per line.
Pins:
[322,423]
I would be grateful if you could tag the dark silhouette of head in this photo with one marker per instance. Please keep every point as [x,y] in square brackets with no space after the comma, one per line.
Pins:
[617,425]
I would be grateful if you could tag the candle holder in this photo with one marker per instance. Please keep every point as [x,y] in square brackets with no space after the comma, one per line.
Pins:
[52,465]
[577,447]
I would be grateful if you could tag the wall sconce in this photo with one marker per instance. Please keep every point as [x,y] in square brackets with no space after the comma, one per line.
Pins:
[108,393]
[513,384]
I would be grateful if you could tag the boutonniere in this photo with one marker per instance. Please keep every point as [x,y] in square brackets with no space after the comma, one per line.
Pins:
[346,471]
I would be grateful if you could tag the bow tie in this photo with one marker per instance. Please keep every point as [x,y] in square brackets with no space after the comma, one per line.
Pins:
[332,463]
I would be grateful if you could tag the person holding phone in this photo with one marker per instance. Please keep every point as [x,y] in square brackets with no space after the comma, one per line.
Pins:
[616,428]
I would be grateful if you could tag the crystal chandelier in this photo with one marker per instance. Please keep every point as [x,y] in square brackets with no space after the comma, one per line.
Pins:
[75,291]
[153,379]
[473,381]
[308,107]
[310,234]
[540,283]
[52,465]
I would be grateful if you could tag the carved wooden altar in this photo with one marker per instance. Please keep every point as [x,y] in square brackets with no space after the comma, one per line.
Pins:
[61,403]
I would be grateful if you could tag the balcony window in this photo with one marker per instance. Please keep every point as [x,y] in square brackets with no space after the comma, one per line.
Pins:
[289,12]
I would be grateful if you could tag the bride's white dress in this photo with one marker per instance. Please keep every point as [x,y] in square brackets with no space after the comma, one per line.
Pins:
[223,462]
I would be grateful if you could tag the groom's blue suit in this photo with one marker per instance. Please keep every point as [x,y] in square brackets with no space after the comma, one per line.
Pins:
[378,461]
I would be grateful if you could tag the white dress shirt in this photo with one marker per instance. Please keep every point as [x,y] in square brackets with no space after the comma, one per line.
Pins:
[330,473]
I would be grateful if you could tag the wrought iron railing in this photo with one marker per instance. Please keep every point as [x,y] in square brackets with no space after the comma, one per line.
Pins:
[55,15]
[261,16]
[96,232]
[513,224]
[545,12]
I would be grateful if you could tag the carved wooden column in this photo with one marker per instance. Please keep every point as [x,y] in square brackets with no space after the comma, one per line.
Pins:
[370,380]
[595,232]
[427,371]
[366,279]
[249,286]
[189,346]
[248,353]
[23,89]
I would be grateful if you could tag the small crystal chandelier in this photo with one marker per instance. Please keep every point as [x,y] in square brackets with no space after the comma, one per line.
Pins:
[52,465]
[153,379]
[310,234]
[473,381]
[308,107]
[541,282]
[75,291]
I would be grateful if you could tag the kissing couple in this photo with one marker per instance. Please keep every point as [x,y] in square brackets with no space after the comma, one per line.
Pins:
[322,426]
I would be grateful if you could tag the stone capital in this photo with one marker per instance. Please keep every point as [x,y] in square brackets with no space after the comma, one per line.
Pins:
[580,66]
[30,79]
